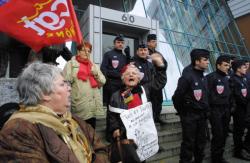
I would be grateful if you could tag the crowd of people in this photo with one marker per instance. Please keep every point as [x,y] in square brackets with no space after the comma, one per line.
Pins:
[55,120]
[214,98]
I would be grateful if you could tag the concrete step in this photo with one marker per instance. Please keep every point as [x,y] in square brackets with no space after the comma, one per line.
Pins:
[171,124]
[166,116]
[164,135]
[169,136]
[207,159]
[171,150]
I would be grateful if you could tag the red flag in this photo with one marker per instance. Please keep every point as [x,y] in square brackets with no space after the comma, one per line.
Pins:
[39,23]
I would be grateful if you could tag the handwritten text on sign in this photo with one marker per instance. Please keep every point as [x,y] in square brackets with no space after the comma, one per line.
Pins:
[140,127]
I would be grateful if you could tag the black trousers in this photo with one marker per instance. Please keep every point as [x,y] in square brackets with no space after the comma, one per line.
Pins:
[194,126]
[239,127]
[219,120]
[156,99]
[247,138]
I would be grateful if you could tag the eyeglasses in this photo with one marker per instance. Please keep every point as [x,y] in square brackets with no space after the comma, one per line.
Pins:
[66,82]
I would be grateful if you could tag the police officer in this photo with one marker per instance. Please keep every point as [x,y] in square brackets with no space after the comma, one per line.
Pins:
[140,60]
[219,98]
[191,102]
[240,91]
[112,63]
[156,96]
[247,63]
[247,140]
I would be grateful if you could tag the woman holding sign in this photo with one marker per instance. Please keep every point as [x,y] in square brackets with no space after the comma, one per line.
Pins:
[131,96]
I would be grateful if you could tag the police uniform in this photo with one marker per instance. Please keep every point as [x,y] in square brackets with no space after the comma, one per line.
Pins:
[240,91]
[112,63]
[146,67]
[156,96]
[248,73]
[191,102]
[219,102]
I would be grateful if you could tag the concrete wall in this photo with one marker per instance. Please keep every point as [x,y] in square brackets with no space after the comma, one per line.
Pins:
[8,91]
[239,7]
[94,17]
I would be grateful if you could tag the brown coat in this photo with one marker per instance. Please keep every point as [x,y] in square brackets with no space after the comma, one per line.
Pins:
[22,141]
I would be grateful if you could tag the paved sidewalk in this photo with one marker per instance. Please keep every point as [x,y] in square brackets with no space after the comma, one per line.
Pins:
[176,160]
[232,160]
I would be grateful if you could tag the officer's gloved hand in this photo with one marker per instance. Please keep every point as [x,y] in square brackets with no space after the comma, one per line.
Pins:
[232,109]
[127,51]
[50,55]
[208,114]
[66,54]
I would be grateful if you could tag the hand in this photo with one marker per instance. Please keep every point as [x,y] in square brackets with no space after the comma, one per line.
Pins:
[157,59]
[127,51]
[94,70]
[116,133]
[66,54]
[208,114]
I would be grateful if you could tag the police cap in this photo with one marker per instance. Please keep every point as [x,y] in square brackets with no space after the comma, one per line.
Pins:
[223,58]
[119,37]
[237,64]
[142,45]
[247,60]
[198,53]
[151,37]
[231,57]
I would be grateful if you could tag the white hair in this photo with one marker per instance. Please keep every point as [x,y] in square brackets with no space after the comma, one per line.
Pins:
[36,80]
[129,67]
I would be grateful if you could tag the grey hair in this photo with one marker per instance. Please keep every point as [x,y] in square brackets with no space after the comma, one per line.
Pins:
[35,81]
[131,66]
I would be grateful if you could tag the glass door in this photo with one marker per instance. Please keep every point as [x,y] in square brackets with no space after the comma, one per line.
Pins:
[107,43]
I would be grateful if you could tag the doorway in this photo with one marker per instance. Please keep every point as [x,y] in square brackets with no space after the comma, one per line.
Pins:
[132,36]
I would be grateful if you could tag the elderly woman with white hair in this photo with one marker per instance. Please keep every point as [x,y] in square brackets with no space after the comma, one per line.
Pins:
[133,94]
[44,130]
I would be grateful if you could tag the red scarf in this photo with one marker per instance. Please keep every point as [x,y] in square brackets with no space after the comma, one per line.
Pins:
[135,102]
[84,72]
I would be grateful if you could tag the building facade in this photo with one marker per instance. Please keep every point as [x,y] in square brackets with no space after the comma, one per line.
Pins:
[241,13]
[182,26]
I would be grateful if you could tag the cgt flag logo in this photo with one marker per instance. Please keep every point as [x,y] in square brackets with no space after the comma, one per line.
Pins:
[39,23]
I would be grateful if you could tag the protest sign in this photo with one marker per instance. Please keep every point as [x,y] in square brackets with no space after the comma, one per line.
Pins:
[140,126]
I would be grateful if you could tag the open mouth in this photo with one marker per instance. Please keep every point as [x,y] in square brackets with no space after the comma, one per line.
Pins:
[131,80]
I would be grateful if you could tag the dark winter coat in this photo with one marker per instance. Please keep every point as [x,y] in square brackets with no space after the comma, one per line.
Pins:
[158,82]
[191,92]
